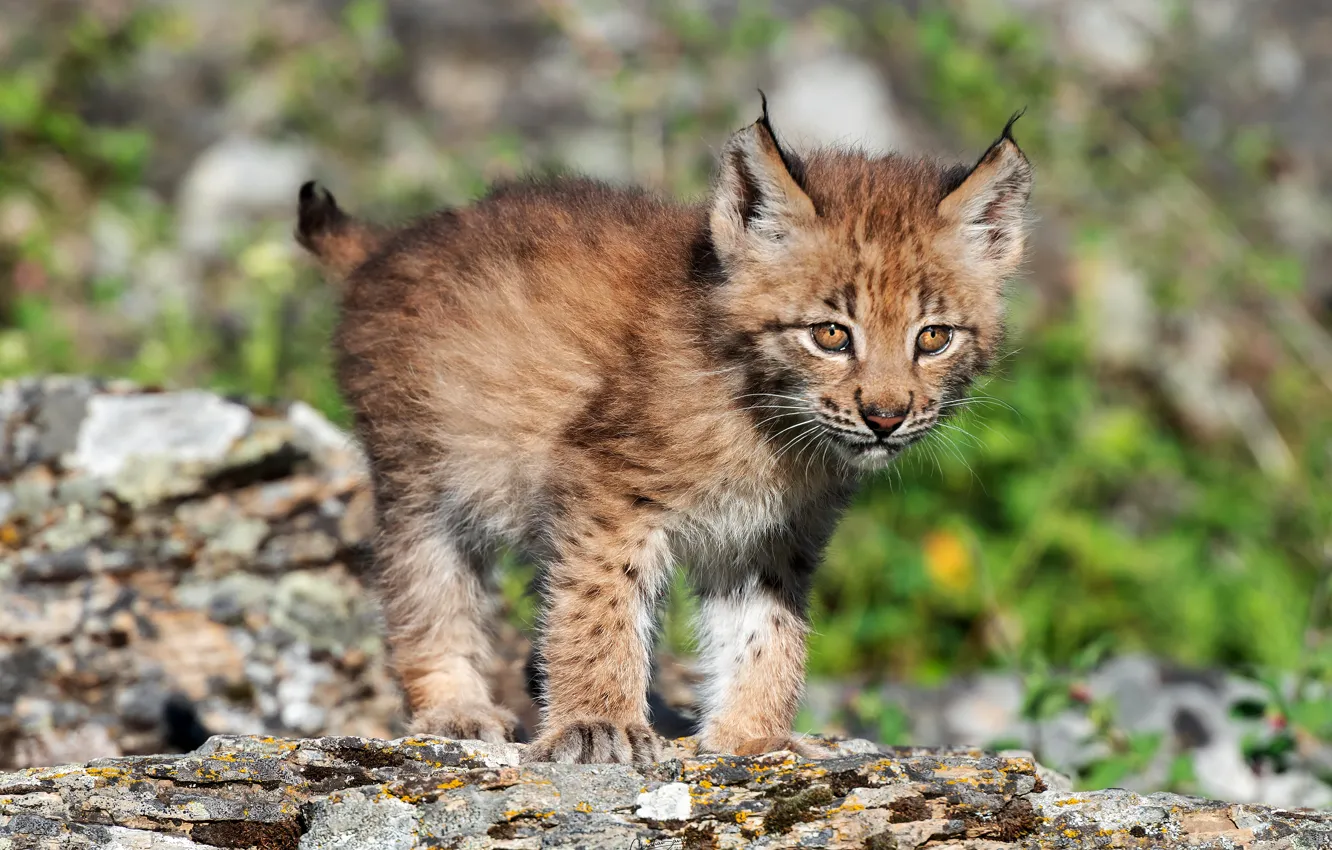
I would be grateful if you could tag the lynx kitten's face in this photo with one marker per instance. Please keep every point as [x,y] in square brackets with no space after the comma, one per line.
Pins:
[868,292]
[869,366]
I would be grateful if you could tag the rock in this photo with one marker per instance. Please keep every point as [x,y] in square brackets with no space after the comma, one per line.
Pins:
[176,562]
[351,793]
[232,183]
[1189,709]
[1118,309]
[187,427]
[1115,39]
[1278,63]
[825,95]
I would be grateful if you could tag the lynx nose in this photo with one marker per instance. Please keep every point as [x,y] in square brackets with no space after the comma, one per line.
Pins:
[880,424]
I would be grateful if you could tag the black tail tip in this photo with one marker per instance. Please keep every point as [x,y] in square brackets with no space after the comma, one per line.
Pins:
[317,211]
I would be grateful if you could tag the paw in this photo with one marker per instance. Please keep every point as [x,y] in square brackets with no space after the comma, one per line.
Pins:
[595,742]
[477,721]
[779,743]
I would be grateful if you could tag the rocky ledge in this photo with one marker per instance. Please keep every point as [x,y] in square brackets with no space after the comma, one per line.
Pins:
[351,793]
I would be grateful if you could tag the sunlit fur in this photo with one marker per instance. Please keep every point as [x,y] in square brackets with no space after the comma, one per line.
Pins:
[616,384]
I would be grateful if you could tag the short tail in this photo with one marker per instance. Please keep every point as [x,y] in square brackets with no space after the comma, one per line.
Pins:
[338,241]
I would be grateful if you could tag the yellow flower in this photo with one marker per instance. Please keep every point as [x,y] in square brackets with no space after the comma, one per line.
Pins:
[948,561]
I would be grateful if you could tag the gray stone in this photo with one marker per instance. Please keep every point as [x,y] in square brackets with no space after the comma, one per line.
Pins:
[1278,63]
[833,97]
[346,793]
[316,435]
[134,604]
[1118,38]
[235,182]
[1119,309]
[351,821]
[187,426]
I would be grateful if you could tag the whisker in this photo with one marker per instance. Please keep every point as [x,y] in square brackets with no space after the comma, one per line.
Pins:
[983,401]
[956,453]
[796,425]
[963,431]
[810,462]
[771,395]
[799,438]
[765,408]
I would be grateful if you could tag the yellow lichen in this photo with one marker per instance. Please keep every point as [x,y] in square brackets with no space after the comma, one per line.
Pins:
[105,772]
[584,807]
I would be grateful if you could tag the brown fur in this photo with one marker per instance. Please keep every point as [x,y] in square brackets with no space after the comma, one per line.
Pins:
[614,383]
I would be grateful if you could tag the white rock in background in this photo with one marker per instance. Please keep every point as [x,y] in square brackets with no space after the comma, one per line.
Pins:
[598,152]
[1216,18]
[1115,37]
[836,98]
[114,241]
[986,712]
[235,182]
[464,90]
[624,26]
[184,426]
[316,435]
[1278,63]
[1297,210]
[1119,310]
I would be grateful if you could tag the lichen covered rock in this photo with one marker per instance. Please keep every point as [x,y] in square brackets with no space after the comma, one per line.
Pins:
[352,793]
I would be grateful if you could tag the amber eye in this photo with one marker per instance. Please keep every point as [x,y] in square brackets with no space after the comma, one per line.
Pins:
[934,339]
[831,337]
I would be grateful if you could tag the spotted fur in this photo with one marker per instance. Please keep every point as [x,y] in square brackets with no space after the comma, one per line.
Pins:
[616,384]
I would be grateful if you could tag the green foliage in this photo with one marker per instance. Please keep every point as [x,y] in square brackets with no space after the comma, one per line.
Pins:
[41,91]
[1294,707]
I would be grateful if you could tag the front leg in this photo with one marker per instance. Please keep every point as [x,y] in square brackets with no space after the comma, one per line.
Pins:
[601,601]
[753,630]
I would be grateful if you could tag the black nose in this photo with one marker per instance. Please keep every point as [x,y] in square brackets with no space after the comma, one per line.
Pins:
[882,424]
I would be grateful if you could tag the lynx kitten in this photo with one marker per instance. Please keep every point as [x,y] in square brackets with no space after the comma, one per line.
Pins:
[615,383]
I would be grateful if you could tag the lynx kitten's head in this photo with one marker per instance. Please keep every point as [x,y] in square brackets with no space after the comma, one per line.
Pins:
[863,293]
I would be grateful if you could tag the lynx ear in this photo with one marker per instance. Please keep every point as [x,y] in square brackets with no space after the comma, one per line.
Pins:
[989,207]
[758,200]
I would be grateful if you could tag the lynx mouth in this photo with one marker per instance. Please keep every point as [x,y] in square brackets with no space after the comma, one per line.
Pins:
[863,449]
[866,450]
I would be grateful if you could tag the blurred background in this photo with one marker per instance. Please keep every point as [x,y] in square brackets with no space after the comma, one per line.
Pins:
[1120,558]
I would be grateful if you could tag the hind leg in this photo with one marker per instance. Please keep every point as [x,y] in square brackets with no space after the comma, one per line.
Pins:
[438,606]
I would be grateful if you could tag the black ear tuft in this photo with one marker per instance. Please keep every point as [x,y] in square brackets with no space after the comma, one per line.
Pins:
[1008,128]
[794,166]
[763,116]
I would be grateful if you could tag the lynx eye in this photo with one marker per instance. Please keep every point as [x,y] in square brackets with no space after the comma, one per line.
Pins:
[934,339]
[831,336]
